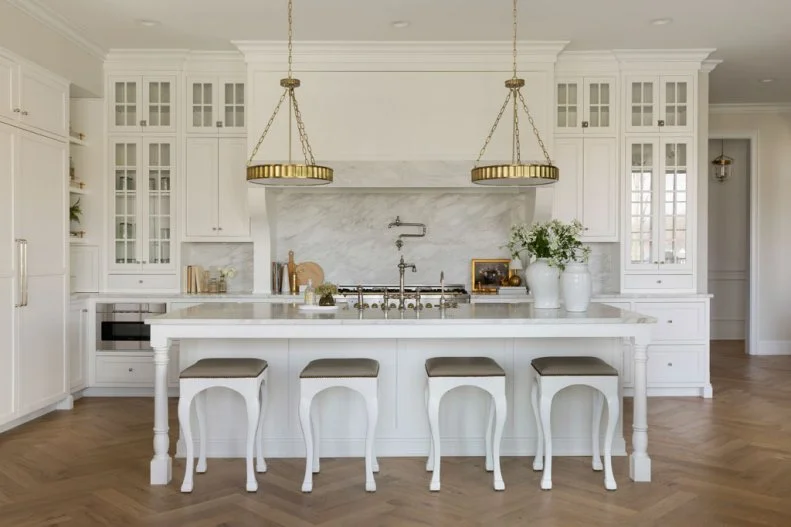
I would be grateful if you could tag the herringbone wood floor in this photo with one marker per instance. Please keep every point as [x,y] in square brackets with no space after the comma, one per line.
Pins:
[720,462]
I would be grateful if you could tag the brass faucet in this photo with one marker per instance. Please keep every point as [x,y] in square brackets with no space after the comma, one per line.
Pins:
[401,267]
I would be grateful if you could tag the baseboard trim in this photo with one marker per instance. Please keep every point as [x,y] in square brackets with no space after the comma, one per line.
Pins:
[395,447]
[774,347]
[134,391]
[675,391]
[59,405]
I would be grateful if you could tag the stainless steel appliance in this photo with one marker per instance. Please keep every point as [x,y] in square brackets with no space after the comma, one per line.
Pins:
[122,327]
[373,295]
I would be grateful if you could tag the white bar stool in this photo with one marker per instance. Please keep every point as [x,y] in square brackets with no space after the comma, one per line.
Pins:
[248,377]
[552,374]
[360,375]
[447,373]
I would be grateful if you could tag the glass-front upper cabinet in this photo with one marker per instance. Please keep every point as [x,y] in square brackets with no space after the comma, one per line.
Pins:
[216,105]
[585,105]
[661,201]
[142,104]
[655,104]
[142,215]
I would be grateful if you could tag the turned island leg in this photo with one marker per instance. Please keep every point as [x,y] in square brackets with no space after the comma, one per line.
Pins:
[639,462]
[161,464]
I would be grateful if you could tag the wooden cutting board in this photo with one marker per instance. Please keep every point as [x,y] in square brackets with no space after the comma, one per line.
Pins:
[310,271]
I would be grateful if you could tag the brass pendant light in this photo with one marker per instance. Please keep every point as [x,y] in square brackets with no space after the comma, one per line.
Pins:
[291,174]
[721,166]
[517,173]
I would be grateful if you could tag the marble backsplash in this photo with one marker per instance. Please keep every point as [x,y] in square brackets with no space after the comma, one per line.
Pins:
[236,255]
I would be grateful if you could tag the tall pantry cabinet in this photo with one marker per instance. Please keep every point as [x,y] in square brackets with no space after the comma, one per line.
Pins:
[33,250]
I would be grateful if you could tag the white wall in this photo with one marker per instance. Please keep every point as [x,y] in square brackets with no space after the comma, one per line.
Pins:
[31,39]
[729,245]
[772,131]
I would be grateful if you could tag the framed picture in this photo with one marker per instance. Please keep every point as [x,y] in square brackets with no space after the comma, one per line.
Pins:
[487,273]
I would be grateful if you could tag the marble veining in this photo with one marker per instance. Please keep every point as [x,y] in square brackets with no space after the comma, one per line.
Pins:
[237,255]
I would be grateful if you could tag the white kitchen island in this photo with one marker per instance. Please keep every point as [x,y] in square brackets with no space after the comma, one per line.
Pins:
[288,338]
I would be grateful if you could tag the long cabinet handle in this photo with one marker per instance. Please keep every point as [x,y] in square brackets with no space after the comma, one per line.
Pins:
[21,252]
[24,272]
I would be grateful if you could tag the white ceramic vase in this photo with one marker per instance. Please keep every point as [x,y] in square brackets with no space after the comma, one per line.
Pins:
[544,283]
[575,281]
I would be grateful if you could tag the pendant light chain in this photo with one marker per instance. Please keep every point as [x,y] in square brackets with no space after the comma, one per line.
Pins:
[515,19]
[290,34]
[535,130]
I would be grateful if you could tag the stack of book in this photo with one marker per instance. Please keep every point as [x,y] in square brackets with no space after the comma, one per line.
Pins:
[195,279]
[520,290]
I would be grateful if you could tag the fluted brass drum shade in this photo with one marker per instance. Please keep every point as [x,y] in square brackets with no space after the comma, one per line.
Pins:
[515,175]
[293,175]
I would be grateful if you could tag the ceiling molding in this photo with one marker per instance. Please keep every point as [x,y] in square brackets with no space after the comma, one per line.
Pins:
[593,62]
[58,24]
[753,108]
[709,65]
[391,56]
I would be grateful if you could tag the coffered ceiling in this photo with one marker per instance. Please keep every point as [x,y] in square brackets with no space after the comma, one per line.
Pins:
[752,38]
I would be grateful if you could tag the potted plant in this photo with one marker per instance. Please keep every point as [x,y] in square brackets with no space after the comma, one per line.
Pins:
[554,245]
[325,292]
[75,212]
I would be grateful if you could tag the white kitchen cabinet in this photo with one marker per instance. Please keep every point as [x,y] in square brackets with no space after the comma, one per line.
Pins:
[585,105]
[588,187]
[216,105]
[84,269]
[77,345]
[661,195]
[31,97]
[142,103]
[660,103]
[141,204]
[216,190]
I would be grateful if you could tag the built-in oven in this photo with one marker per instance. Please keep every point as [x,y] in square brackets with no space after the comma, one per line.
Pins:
[122,327]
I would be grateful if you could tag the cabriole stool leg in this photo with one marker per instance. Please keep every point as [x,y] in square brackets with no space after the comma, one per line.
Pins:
[598,408]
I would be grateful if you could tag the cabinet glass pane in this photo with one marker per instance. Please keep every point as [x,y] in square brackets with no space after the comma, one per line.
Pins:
[599,105]
[567,105]
[641,187]
[125,206]
[233,104]
[125,103]
[159,181]
[202,109]
[159,105]
[675,104]
[642,103]
[674,226]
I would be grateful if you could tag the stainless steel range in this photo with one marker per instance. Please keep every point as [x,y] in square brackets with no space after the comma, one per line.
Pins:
[426,296]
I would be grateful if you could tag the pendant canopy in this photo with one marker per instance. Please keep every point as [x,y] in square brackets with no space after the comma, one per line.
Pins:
[516,173]
[289,174]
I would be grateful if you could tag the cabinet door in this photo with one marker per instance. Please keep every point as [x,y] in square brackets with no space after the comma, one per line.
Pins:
[202,100]
[159,158]
[232,105]
[676,201]
[677,103]
[600,189]
[599,106]
[77,332]
[159,104]
[9,88]
[202,192]
[642,102]
[84,269]
[642,171]
[7,348]
[233,215]
[568,154]
[126,97]
[568,105]
[43,102]
[126,159]
[8,140]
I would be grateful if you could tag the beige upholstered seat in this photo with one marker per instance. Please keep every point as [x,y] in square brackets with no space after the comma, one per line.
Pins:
[463,367]
[554,366]
[224,369]
[340,368]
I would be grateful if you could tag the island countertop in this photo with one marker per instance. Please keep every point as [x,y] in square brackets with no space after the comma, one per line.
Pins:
[253,313]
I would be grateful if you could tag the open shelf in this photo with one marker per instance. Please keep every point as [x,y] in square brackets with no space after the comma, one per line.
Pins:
[78,190]
[77,141]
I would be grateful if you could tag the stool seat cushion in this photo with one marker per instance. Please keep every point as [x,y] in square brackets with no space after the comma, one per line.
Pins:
[575,366]
[225,369]
[340,368]
[463,367]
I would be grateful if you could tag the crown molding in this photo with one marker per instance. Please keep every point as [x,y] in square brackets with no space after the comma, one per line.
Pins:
[395,56]
[60,25]
[754,108]
[594,62]
[662,59]
[709,65]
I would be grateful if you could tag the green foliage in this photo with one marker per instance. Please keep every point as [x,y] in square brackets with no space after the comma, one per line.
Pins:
[75,212]
[554,240]
[327,288]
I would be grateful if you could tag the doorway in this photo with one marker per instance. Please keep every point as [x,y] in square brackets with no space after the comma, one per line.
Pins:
[729,241]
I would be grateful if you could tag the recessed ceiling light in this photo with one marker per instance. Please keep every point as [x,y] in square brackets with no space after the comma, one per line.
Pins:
[400,24]
[148,23]
[661,21]
[767,81]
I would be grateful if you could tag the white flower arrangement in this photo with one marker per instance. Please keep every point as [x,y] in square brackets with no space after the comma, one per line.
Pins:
[554,240]
[228,272]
